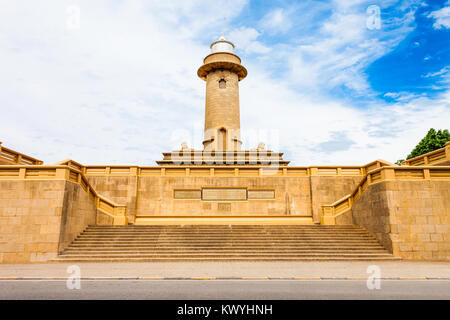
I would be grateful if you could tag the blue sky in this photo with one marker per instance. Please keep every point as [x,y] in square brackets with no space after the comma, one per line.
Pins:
[418,64]
[119,85]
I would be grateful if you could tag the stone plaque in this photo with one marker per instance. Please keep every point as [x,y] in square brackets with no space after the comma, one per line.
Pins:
[228,194]
[261,194]
[187,194]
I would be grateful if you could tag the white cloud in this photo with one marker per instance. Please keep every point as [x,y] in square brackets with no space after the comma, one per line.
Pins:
[441,72]
[308,123]
[338,53]
[277,20]
[123,88]
[111,91]
[442,17]
[246,40]
[441,78]
[403,96]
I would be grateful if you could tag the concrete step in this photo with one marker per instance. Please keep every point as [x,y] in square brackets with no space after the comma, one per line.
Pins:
[222,243]
[196,250]
[227,243]
[224,235]
[233,230]
[223,253]
[228,235]
[247,226]
[227,259]
[222,227]
[226,254]
[192,246]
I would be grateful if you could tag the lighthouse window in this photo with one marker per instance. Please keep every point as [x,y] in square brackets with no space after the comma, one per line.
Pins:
[222,84]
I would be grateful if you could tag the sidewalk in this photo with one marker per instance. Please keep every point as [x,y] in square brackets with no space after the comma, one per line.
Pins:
[231,270]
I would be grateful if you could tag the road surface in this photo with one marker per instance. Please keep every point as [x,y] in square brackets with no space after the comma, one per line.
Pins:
[224,289]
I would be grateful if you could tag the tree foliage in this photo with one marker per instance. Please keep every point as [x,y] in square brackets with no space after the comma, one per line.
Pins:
[432,141]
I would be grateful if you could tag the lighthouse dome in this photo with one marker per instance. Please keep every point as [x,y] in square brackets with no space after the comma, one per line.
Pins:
[222,45]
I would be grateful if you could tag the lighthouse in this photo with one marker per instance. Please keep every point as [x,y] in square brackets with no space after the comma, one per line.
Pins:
[222,70]
[222,145]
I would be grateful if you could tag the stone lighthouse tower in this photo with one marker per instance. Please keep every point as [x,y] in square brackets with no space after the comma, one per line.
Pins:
[222,71]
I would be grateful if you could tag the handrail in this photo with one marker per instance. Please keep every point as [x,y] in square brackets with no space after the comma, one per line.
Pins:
[69,173]
[433,157]
[106,206]
[331,211]
[13,157]
[214,170]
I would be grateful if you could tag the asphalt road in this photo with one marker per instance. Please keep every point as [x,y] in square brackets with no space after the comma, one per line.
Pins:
[225,289]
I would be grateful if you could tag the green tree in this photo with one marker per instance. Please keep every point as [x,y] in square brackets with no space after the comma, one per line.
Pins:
[432,141]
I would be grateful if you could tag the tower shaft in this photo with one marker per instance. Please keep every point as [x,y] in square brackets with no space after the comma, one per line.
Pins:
[222,71]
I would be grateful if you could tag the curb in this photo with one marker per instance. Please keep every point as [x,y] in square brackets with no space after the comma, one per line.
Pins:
[216,278]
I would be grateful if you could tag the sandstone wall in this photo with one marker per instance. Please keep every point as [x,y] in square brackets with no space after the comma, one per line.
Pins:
[30,219]
[371,211]
[410,218]
[326,190]
[119,189]
[153,195]
[37,218]
[104,219]
[78,212]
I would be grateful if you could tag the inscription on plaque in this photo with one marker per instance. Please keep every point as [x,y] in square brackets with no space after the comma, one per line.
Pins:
[224,206]
[187,194]
[229,194]
[261,194]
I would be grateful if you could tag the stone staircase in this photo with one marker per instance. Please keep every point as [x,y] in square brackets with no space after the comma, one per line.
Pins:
[223,243]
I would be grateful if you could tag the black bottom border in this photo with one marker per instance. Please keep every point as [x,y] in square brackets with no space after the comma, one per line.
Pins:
[225,309]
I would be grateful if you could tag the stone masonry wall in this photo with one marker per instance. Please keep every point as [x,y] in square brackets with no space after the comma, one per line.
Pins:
[78,212]
[154,195]
[371,211]
[119,189]
[30,220]
[410,218]
[326,190]
[104,219]
[37,218]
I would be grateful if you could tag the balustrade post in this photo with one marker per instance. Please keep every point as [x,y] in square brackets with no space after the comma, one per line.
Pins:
[388,174]
[62,173]
[22,173]
[426,174]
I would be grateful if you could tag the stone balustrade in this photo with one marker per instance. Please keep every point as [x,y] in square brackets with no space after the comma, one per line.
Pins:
[68,172]
[9,156]
[331,212]
[436,157]
[119,170]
